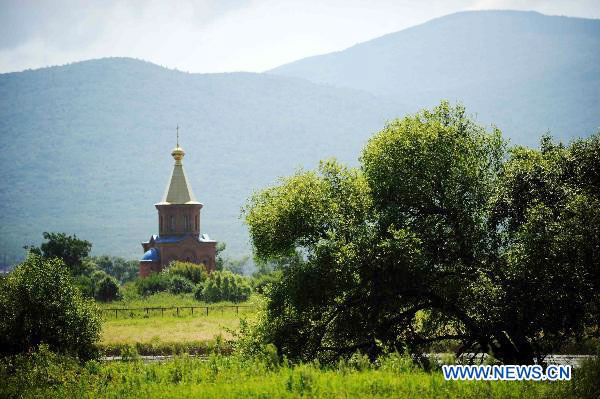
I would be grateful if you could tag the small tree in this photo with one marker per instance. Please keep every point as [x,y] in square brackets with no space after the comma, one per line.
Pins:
[224,286]
[219,263]
[39,304]
[107,290]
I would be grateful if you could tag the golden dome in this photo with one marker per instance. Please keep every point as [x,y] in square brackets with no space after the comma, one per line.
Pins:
[178,154]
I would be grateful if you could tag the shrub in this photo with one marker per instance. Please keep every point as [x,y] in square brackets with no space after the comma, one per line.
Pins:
[86,285]
[98,275]
[586,380]
[199,292]
[180,285]
[263,281]
[224,286]
[40,304]
[36,373]
[108,289]
[155,282]
[191,271]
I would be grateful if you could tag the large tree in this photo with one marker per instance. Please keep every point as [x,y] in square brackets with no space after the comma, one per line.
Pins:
[440,234]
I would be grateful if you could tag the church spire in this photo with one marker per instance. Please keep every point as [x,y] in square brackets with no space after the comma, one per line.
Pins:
[178,190]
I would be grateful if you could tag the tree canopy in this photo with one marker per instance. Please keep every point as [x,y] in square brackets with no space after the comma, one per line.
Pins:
[442,233]
[70,249]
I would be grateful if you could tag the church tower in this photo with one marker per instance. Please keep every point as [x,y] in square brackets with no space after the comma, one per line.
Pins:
[178,226]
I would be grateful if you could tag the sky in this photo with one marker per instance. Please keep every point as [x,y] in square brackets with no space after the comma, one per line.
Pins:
[220,35]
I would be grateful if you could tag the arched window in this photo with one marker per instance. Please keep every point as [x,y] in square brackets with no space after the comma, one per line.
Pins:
[172,226]
[197,222]
[160,224]
[187,222]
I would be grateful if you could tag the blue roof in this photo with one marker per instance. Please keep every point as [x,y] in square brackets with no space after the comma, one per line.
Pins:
[151,255]
[169,239]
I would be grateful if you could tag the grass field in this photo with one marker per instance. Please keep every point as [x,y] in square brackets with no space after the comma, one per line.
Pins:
[159,331]
[230,377]
[170,328]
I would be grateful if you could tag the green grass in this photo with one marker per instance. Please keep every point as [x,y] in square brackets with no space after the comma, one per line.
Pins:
[168,327]
[231,377]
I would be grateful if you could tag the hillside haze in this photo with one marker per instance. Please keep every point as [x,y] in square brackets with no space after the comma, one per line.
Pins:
[86,146]
[524,71]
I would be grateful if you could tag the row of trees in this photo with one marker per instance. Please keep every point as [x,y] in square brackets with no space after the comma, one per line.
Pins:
[442,233]
[184,277]
[100,277]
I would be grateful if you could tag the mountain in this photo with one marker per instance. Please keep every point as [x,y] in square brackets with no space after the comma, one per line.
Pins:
[86,146]
[526,72]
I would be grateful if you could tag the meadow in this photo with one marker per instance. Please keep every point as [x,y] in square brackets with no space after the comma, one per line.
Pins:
[392,376]
[168,332]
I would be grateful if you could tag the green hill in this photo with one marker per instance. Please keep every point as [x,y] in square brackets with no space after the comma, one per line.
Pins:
[86,147]
[524,71]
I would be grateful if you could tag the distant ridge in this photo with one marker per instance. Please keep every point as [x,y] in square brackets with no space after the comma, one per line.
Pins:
[525,71]
[86,146]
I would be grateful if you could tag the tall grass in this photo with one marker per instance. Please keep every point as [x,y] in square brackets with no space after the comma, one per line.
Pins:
[232,377]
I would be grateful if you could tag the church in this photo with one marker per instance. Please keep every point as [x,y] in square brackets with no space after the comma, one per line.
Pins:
[178,226]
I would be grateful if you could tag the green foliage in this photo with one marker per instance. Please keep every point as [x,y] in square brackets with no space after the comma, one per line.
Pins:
[180,285]
[153,283]
[191,271]
[262,283]
[438,236]
[70,249]
[121,269]
[86,285]
[224,286]
[40,304]
[36,373]
[586,381]
[236,265]
[221,245]
[42,374]
[156,347]
[107,289]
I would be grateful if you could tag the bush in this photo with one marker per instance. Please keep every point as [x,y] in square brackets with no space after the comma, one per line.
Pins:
[40,304]
[586,380]
[191,271]
[108,289]
[199,292]
[262,282]
[34,374]
[153,283]
[224,286]
[86,285]
[180,285]
[98,275]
